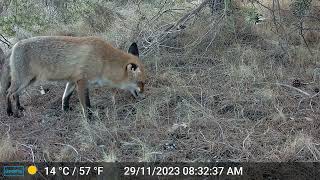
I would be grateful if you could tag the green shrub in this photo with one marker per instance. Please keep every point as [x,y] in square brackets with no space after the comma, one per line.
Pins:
[24,14]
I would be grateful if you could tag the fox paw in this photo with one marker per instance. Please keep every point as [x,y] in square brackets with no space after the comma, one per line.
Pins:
[21,108]
[9,113]
[66,108]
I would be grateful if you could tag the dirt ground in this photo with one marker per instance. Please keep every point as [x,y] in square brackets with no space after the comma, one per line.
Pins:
[197,110]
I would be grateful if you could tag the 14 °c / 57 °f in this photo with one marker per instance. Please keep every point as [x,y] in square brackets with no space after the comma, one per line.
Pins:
[72,171]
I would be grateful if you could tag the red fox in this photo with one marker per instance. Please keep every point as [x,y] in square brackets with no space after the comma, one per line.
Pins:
[78,60]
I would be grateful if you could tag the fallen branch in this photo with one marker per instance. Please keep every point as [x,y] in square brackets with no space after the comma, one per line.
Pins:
[187,16]
[175,27]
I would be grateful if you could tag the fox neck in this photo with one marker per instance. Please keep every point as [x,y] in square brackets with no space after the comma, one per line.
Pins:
[101,82]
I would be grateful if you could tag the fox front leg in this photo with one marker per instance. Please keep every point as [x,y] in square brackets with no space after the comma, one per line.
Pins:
[70,87]
[83,93]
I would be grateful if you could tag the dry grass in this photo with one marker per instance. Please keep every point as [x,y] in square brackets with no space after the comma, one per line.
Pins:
[228,100]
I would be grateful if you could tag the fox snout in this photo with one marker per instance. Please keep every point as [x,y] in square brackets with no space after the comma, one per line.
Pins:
[138,90]
[136,79]
[140,84]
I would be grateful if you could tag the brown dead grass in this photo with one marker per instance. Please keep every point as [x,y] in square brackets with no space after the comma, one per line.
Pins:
[229,100]
[210,111]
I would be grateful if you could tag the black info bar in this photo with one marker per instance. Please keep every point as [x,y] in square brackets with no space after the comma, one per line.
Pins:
[161,170]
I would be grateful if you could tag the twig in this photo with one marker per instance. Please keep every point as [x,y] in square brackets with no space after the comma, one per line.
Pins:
[5,41]
[310,29]
[305,42]
[29,147]
[288,86]
[161,36]
[301,21]
[310,103]
[280,30]
[68,146]
[258,2]
[214,36]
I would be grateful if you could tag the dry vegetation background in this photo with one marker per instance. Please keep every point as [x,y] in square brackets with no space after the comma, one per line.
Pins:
[222,86]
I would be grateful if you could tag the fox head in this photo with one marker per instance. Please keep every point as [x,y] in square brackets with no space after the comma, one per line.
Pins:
[135,74]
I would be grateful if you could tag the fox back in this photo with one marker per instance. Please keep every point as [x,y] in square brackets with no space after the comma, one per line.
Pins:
[72,58]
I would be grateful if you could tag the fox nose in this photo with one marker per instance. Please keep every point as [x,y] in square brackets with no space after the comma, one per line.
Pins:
[136,92]
[139,94]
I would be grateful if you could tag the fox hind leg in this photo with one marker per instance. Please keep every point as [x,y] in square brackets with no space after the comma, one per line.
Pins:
[9,105]
[13,93]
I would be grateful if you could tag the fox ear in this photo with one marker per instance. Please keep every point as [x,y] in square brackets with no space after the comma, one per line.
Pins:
[133,49]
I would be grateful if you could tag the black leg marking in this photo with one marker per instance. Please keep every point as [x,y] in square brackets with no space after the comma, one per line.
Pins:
[9,106]
[88,104]
[18,103]
[66,102]
[70,86]
[87,98]
[16,111]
